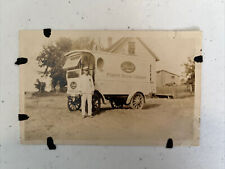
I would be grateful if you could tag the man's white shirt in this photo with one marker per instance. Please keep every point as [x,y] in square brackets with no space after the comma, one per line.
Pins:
[86,84]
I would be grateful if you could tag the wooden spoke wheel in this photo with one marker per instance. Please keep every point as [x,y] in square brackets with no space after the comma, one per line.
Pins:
[137,102]
[74,103]
[96,103]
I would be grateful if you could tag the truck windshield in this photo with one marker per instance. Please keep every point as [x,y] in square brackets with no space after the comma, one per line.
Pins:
[73,74]
[79,60]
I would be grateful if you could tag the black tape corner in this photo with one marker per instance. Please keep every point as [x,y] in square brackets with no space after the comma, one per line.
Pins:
[169,143]
[47,32]
[50,143]
[22,117]
[21,61]
[198,59]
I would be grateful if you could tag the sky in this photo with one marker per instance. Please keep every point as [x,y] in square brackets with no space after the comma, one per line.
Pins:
[172,48]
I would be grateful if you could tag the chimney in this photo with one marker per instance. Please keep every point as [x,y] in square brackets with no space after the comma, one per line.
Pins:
[109,42]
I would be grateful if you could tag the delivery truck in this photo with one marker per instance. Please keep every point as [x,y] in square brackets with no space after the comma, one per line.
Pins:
[118,78]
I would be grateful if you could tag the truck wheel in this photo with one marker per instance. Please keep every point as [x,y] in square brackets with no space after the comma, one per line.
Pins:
[74,103]
[137,102]
[96,104]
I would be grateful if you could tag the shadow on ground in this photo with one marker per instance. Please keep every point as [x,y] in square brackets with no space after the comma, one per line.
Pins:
[106,109]
[148,106]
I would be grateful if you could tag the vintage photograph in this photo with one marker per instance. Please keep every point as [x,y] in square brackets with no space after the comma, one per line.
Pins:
[110,87]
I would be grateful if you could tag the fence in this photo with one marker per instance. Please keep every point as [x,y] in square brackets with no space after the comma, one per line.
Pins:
[178,91]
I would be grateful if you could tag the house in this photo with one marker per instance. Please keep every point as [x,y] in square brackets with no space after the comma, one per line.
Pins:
[166,78]
[135,47]
[132,46]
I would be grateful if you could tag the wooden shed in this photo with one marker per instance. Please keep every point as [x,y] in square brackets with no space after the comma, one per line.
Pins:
[166,78]
[166,83]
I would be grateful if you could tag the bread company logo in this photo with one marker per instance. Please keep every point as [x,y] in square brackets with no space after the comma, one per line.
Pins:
[127,67]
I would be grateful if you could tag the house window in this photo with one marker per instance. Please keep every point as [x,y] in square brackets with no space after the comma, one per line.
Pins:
[131,48]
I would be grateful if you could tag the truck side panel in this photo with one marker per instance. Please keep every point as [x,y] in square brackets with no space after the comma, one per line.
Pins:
[125,74]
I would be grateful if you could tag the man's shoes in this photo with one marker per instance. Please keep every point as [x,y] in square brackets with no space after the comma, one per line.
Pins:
[84,116]
[91,116]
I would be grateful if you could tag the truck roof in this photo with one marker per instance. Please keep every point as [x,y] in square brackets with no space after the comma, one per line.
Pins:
[103,54]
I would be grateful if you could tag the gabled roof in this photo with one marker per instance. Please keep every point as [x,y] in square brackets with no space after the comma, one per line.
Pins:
[167,72]
[117,44]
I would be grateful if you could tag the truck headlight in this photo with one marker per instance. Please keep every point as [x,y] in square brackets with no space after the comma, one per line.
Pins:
[73,85]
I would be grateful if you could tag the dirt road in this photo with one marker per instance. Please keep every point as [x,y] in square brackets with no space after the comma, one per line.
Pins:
[159,120]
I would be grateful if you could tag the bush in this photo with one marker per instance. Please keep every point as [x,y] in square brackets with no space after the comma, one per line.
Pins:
[40,86]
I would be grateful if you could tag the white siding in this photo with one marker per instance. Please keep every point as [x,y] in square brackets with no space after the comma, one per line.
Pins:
[141,52]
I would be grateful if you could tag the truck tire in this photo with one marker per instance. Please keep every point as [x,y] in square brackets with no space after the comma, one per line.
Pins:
[96,103]
[137,101]
[74,103]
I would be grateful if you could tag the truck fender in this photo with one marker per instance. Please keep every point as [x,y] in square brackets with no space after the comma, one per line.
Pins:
[101,96]
[131,95]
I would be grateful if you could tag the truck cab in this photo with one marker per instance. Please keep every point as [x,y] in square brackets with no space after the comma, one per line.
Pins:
[76,61]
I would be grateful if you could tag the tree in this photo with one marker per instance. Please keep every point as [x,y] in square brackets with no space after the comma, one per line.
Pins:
[52,59]
[40,86]
[190,73]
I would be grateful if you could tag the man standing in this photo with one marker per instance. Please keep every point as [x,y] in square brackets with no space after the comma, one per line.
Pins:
[87,90]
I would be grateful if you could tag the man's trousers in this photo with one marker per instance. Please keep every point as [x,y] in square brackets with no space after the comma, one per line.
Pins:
[86,97]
